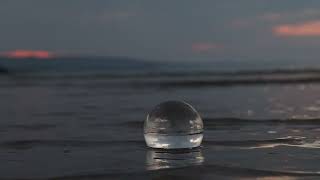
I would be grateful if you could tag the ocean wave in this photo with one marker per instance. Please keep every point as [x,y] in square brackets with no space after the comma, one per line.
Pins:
[28,144]
[240,121]
[164,78]
[205,171]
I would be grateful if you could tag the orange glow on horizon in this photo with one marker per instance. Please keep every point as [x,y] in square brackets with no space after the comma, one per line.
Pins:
[205,47]
[39,54]
[310,28]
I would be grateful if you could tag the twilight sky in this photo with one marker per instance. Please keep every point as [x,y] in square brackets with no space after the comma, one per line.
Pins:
[189,30]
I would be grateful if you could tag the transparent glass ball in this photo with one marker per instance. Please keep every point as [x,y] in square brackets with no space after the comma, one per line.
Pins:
[173,125]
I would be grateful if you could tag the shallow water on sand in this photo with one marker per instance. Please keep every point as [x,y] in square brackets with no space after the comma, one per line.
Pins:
[92,128]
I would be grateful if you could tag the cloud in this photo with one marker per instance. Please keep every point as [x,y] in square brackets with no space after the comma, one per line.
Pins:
[272,16]
[277,17]
[115,15]
[253,21]
[308,28]
[285,16]
[204,47]
[39,54]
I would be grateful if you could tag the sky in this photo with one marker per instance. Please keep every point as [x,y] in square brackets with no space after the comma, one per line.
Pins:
[177,30]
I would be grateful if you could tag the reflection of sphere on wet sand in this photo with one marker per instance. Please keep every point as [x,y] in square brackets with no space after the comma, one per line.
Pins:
[161,159]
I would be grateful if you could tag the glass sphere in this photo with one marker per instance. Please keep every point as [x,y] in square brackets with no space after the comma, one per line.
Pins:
[173,125]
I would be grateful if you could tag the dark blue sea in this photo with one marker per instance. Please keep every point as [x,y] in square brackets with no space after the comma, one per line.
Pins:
[82,118]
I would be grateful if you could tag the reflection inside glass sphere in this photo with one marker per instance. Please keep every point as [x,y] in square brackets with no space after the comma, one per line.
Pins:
[161,159]
[173,125]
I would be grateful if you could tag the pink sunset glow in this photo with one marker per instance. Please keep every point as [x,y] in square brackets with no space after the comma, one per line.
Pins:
[310,28]
[39,54]
[205,47]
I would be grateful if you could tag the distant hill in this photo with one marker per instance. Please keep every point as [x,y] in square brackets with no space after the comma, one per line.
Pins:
[3,70]
[75,64]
